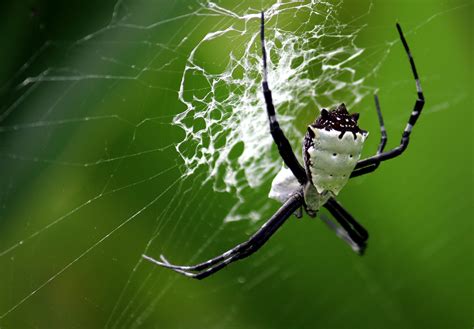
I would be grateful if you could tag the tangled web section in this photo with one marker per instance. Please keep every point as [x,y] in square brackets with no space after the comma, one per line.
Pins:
[311,65]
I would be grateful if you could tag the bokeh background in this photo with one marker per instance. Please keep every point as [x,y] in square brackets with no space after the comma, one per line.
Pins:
[90,178]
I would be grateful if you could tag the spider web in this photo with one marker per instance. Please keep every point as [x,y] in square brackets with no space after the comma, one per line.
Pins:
[149,135]
[310,66]
[214,99]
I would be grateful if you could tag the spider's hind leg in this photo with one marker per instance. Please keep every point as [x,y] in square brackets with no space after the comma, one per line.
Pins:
[341,233]
[354,233]
[242,250]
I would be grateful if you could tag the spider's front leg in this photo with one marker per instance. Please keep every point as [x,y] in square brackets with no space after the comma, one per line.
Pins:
[370,164]
[284,146]
[382,144]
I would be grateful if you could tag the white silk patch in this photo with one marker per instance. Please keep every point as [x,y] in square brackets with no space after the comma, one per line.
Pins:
[332,160]
[283,185]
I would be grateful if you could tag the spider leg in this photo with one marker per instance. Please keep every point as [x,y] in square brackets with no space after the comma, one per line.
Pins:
[353,229]
[284,146]
[383,131]
[213,269]
[251,248]
[382,144]
[206,272]
[341,233]
[221,258]
[245,249]
[372,162]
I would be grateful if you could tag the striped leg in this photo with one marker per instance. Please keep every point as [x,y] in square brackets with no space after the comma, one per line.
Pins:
[245,249]
[415,114]
[284,147]
[353,230]
[341,233]
[383,131]
[383,142]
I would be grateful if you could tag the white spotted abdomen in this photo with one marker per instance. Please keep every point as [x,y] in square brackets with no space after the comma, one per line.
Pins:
[330,160]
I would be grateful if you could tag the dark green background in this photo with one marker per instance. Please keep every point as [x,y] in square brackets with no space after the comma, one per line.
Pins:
[79,264]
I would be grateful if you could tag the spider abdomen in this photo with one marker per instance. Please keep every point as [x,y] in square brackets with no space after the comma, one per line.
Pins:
[330,157]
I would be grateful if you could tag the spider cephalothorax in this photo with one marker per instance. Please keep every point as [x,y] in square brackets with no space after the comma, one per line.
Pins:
[338,119]
[331,152]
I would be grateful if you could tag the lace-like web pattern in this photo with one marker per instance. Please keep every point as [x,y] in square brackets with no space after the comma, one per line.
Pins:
[225,123]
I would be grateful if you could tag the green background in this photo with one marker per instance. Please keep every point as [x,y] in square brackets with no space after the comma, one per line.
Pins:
[89,174]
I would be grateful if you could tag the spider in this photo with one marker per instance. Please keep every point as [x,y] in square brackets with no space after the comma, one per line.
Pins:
[332,148]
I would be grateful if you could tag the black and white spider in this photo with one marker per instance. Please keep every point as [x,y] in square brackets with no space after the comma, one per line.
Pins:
[331,150]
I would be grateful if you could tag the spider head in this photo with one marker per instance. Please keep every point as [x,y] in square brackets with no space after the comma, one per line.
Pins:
[338,119]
